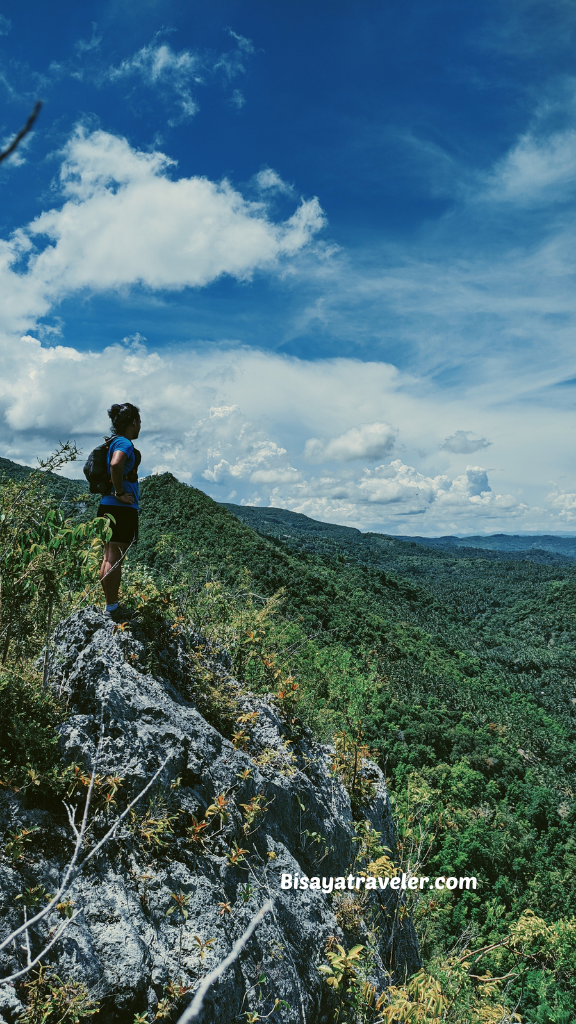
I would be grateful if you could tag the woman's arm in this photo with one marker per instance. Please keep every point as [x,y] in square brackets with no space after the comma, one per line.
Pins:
[117,473]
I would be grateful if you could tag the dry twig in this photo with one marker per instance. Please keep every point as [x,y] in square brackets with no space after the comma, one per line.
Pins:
[23,131]
[193,1010]
[74,868]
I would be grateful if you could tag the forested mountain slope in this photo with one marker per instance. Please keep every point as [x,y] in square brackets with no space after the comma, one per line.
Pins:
[296,529]
[514,611]
[61,486]
[460,671]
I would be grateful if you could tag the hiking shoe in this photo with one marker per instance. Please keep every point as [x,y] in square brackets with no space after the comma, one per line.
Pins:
[120,614]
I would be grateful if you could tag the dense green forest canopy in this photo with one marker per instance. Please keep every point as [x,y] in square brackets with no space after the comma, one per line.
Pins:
[454,664]
[458,664]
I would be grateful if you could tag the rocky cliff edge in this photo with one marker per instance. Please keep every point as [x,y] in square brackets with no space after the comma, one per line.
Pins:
[168,896]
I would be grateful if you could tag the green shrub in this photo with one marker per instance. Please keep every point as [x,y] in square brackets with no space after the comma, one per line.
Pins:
[28,742]
[53,1001]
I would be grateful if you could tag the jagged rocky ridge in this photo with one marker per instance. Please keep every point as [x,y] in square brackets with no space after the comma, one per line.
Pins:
[124,945]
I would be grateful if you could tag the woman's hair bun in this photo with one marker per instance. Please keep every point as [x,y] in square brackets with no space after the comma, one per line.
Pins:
[122,415]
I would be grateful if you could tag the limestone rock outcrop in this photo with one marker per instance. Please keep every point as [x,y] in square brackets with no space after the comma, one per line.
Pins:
[167,897]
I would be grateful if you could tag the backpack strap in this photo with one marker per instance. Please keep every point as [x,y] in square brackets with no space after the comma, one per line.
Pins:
[137,456]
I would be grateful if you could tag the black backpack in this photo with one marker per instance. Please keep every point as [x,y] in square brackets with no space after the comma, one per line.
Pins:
[96,469]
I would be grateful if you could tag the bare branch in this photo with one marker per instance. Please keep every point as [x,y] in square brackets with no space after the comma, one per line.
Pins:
[71,812]
[49,906]
[23,131]
[42,954]
[196,1005]
[74,868]
[92,777]
[487,977]
[27,940]
[482,950]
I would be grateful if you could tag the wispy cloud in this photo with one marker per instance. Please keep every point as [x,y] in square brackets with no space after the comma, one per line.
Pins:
[238,99]
[86,45]
[157,65]
[244,45]
[175,75]
[539,170]
[5,25]
[484,295]
[268,180]
[231,63]
[155,62]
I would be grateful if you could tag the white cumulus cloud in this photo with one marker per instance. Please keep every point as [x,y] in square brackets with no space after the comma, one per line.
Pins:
[565,501]
[403,491]
[288,475]
[221,411]
[462,444]
[370,441]
[124,222]
[229,419]
[263,463]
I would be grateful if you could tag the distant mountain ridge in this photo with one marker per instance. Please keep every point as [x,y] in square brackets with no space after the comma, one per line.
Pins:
[286,526]
[280,523]
[505,542]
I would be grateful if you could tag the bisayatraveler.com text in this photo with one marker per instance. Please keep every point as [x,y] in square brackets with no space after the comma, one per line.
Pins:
[359,882]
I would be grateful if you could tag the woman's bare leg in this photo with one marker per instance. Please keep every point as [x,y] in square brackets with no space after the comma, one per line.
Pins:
[111,570]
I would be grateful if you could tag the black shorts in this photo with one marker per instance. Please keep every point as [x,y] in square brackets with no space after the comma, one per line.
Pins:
[125,529]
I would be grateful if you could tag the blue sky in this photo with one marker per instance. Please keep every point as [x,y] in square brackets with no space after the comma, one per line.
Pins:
[328,248]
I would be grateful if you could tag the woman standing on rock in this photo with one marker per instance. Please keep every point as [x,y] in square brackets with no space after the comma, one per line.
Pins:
[122,503]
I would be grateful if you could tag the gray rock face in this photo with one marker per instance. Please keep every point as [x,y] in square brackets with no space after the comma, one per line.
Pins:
[165,900]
